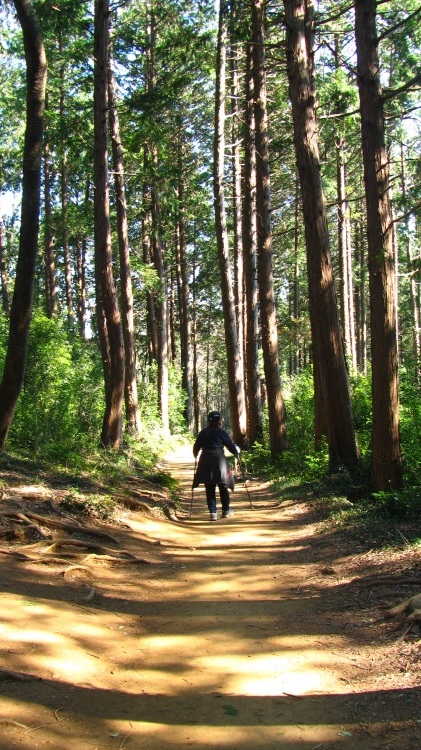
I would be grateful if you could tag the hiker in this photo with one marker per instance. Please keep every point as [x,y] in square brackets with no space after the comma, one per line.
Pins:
[213,467]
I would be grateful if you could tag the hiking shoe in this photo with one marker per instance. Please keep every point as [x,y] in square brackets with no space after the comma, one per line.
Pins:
[227,513]
[213,516]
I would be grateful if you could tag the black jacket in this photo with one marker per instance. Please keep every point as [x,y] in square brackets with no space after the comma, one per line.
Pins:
[213,467]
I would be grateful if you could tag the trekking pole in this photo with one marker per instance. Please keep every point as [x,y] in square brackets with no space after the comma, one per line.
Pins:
[192,487]
[245,481]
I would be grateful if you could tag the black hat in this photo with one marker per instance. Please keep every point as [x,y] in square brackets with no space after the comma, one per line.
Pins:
[214,416]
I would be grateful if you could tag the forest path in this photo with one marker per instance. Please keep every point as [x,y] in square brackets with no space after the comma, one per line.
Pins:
[232,639]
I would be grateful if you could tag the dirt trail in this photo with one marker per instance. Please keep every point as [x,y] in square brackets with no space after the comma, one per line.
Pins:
[235,637]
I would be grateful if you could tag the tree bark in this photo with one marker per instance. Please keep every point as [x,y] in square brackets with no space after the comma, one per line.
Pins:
[235,375]
[184,293]
[329,361]
[161,300]
[64,196]
[107,307]
[49,264]
[386,471]
[276,407]
[130,382]
[146,251]
[254,400]
[21,309]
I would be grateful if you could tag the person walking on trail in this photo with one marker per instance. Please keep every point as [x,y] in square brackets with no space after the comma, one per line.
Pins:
[213,467]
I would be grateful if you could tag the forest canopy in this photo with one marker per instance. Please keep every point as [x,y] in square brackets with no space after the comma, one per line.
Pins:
[228,218]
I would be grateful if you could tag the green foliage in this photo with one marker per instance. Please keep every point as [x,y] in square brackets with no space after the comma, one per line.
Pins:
[61,405]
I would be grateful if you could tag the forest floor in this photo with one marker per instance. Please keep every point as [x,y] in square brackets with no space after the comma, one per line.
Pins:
[265,630]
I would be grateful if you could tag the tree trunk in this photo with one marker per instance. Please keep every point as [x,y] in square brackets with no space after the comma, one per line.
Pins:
[50,274]
[276,408]
[254,400]
[387,461]
[81,268]
[235,375]
[196,401]
[328,354]
[146,251]
[3,274]
[130,383]
[236,180]
[21,309]
[107,307]
[184,293]
[161,300]
[64,197]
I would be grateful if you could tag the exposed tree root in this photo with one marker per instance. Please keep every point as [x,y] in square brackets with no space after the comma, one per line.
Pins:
[55,524]
[131,502]
[411,607]
[64,542]
[6,674]
[13,723]
[72,568]
[386,580]
[23,518]
[132,560]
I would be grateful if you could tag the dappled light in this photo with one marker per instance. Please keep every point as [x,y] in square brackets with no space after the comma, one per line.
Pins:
[235,635]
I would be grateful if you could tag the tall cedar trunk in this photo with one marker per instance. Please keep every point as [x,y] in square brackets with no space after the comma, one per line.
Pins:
[21,309]
[3,275]
[387,462]
[329,361]
[150,305]
[107,308]
[276,408]
[130,383]
[161,312]
[146,252]
[196,401]
[81,268]
[362,299]
[254,400]
[64,196]
[415,313]
[161,299]
[49,264]
[184,293]
[296,291]
[236,180]
[235,375]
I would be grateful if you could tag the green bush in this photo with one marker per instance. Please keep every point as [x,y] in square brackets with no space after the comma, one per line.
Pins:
[61,404]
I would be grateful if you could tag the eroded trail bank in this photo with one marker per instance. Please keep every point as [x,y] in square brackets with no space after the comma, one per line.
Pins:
[239,634]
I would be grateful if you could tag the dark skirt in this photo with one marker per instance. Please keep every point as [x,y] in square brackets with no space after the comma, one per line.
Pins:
[213,468]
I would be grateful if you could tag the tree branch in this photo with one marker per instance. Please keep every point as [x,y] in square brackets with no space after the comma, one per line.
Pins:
[398,25]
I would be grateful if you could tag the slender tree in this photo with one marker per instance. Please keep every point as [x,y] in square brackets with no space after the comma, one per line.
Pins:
[276,407]
[235,375]
[111,337]
[254,400]
[329,361]
[387,462]
[21,309]
[130,382]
